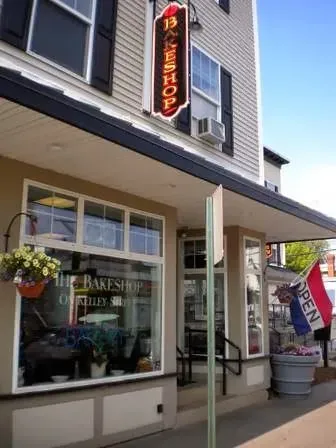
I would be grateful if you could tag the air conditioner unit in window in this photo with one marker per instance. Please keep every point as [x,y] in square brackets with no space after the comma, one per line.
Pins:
[211,130]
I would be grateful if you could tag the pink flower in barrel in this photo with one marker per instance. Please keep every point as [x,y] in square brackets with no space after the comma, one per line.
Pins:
[297,350]
[30,270]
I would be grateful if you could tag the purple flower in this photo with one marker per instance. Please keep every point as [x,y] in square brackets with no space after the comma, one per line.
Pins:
[296,350]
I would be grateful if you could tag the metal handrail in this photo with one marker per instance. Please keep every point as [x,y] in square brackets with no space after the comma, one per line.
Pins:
[182,357]
[223,361]
[277,333]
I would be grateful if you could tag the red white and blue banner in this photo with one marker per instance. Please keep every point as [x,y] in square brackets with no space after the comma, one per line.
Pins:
[311,308]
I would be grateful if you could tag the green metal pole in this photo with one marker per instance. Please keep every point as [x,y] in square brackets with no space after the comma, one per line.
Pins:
[211,325]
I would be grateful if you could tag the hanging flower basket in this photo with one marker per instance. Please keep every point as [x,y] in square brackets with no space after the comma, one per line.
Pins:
[285,293]
[29,270]
[31,291]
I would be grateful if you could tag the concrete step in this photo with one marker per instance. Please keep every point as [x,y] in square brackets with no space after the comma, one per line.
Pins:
[195,393]
[197,411]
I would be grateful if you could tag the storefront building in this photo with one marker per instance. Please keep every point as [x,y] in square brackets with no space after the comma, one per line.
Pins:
[119,198]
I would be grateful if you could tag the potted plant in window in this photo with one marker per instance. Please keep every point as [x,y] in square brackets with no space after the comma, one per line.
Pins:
[293,370]
[29,270]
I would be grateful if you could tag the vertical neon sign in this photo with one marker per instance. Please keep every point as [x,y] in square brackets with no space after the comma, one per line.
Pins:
[170,71]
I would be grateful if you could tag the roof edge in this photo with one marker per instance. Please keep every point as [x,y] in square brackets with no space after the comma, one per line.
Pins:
[52,102]
[274,157]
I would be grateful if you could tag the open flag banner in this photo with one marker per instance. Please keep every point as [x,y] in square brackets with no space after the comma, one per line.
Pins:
[311,308]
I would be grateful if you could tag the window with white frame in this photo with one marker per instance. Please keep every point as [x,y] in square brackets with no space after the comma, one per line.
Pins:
[205,92]
[101,318]
[275,258]
[61,31]
[253,296]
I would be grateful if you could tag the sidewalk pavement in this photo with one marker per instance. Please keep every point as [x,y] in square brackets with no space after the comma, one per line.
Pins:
[276,423]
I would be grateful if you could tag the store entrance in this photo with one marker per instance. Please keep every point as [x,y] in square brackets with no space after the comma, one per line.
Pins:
[194,296]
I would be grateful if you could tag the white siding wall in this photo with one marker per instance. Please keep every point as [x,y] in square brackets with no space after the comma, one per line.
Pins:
[228,37]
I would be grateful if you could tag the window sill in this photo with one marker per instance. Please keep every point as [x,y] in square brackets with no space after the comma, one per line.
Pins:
[57,66]
[52,389]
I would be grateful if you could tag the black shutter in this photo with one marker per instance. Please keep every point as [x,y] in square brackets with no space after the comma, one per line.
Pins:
[225,4]
[226,104]
[183,120]
[15,19]
[104,43]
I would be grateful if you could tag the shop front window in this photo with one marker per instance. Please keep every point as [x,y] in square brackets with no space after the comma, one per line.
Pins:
[56,214]
[253,294]
[145,235]
[103,226]
[101,318]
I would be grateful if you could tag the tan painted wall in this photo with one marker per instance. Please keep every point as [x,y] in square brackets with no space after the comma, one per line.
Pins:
[12,174]
[58,407]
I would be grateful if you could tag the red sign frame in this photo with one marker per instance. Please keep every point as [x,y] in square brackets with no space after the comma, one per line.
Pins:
[170,66]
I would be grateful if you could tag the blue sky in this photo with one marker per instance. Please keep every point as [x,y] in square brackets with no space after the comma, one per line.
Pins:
[298,78]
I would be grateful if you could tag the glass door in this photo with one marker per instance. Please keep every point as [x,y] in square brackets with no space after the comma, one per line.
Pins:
[195,301]
[194,295]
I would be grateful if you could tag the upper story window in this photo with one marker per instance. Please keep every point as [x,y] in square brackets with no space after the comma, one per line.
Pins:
[271,186]
[205,94]
[76,36]
[62,32]
[210,97]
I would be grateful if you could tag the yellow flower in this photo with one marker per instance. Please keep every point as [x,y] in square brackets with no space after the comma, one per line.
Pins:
[45,272]
[26,264]
[35,263]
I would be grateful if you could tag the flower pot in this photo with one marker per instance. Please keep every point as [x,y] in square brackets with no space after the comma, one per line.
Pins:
[98,371]
[292,375]
[31,292]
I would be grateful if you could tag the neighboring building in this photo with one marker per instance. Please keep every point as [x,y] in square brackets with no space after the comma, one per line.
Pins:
[276,271]
[120,200]
[280,326]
